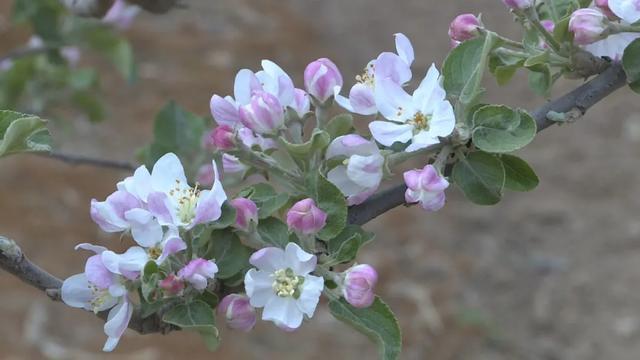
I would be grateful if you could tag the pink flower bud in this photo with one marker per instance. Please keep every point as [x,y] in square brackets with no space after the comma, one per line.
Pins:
[238,312]
[305,217]
[205,175]
[246,213]
[264,114]
[197,272]
[321,77]
[549,26]
[464,27]
[519,4]
[220,138]
[359,282]
[425,187]
[604,6]
[172,285]
[588,26]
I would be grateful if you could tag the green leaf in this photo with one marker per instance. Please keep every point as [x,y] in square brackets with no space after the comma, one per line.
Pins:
[538,59]
[377,322]
[273,232]
[22,133]
[500,129]
[89,104]
[230,255]
[631,64]
[463,70]
[519,176]
[340,125]
[540,79]
[227,218]
[481,177]
[344,247]
[176,130]
[319,141]
[197,316]
[149,282]
[331,200]
[266,198]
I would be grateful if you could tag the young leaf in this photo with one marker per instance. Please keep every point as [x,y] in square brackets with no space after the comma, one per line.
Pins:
[340,125]
[266,198]
[376,322]
[344,247]
[500,129]
[22,133]
[519,176]
[631,64]
[481,177]
[319,141]
[231,256]
[331,200]
[273,232]
[197,316]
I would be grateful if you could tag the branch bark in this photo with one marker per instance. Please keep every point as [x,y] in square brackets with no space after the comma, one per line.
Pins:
[99,8]
[573,104]
[84,160]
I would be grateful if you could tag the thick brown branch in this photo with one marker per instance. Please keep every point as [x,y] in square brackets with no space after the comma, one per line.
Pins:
[574,104]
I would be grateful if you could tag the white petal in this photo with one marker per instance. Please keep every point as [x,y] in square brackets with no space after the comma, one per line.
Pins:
[422,140]
[259,287]
[429,92]
[404,48]
[117,323]
[246,83]
[95,248]
[145,229]
[365,171]
[300,261]
[283,311]
[627,10]
[310,295]
[387,133]
[75,292]
[168,174]
[268,259]
[338,177]
[351,144]
[392,101]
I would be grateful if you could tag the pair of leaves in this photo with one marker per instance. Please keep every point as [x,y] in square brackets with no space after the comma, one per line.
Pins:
[344,247]
[22,133]
[483,176]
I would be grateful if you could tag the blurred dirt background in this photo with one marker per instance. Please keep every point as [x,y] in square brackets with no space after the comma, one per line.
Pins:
[551,274]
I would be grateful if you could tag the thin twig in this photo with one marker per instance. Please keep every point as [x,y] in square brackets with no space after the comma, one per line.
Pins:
[23,52]
[580,99]
[85,160]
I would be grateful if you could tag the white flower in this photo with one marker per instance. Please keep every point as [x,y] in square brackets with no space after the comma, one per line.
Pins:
[174,202]
[627,10]
[396,67]
[361,172]
[420,118]
[613,46]
[98,289]
[283,285]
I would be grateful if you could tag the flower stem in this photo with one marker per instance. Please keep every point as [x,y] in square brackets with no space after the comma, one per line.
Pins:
[532,15]
[443,156]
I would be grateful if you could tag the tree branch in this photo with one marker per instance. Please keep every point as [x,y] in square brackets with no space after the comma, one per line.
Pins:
[570,106]
[99,8]
[84,160]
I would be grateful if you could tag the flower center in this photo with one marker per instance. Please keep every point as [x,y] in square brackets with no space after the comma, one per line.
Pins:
[154,252]
[420,122]
[367,77]
[98,298]
[287,284]
[187,199]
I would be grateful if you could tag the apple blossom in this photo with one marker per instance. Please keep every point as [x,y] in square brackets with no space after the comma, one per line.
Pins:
[627,10]
[219,138]
[464,27]
[604,6]
[301,103]
[612,46]
[97,289]
[282,284]
[420,118]
[264,114]
[588,26]
[197,272]
[359,281]
[321,77]
[306,218]
[121,14]
[361,172]
[387,65]
[172,285]
[425,187]
[246,213]
[238,312]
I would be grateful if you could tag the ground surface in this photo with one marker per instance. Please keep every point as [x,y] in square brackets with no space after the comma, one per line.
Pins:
[551,274]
